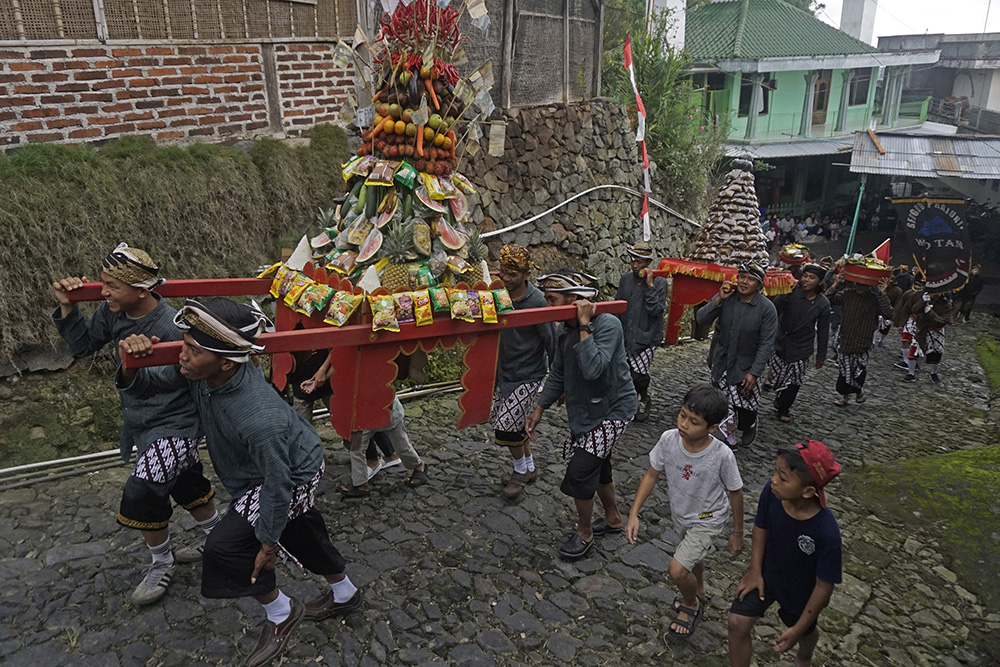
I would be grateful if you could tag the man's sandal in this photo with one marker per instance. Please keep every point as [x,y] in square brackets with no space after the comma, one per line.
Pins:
[418,477]
[694,618]
[351,491]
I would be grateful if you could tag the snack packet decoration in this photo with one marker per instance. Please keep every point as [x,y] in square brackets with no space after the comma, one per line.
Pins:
[406,175]
[422,310]
[270,271]
[474,306]
[383,312]
[404,307]
[439,299]
[460,307]
[279,280]
[298,285]
[503,300]
[342,306]
[488,307]
[314,299]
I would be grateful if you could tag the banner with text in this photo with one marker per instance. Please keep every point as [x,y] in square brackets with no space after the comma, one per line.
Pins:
[938,240]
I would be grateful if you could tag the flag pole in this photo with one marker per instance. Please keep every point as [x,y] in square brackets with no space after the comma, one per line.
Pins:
[857,212]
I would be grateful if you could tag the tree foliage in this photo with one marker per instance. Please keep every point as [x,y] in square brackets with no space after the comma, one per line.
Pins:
[684,148]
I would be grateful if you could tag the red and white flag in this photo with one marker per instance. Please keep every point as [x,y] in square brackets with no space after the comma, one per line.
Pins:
[882,252]
[640,137]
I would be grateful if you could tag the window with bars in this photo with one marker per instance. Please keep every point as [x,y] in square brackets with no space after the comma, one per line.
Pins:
[166,20]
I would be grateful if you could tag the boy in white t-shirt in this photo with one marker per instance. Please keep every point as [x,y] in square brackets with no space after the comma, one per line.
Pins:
[701,472]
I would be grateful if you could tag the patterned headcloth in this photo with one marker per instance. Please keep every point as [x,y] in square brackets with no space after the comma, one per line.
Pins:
[754,270]
[814,269]
[132,266]
[515,258]
[210,330]
[565,281]
[641,250]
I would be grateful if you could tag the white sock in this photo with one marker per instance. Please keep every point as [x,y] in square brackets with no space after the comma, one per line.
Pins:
[519,466]
[903,353]
[162,554]
[911,365]
[280,609]
[208,524]
[932,368]
[529,463]
[343,590]
[878,337]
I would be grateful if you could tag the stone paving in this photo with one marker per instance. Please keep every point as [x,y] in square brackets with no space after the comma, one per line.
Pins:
[454,575]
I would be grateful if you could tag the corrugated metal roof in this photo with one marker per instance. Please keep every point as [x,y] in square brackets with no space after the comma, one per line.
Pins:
[961,156]
[763,29]
[795,148]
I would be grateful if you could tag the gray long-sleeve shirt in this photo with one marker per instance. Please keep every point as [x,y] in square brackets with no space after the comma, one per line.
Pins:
[254,438]
[744,336]
[593,374]
[525,352]
[147,419]
[642,321]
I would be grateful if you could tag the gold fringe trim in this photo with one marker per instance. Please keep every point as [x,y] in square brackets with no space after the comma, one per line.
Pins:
[512,443]
[141,525]
[195,504]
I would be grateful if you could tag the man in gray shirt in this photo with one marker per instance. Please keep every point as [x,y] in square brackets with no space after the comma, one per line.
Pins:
[744,339]
[522,363]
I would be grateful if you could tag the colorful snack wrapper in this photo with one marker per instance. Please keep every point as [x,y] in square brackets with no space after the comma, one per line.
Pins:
[457,264]
[342,306]
[404,307]
[383,312]
[423,277]
[433,185]
[475,307]
[488,306]
[406,175]
[422,307]
[298,286]
[382,172]
[439,299]
[279,279]
[344,262]
[314,299]
[461,309]
[463,183]
[503,301]
[359,165]
[270,271]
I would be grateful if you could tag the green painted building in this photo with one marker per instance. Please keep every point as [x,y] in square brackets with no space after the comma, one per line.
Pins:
[792,92]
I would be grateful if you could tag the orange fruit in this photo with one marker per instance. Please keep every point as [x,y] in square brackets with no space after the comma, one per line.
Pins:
[389,126]
[428,134]
[411,130]
[438,139]
[446,143]
[400,127]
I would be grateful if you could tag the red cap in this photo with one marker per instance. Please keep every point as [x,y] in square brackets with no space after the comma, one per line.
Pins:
[822,467]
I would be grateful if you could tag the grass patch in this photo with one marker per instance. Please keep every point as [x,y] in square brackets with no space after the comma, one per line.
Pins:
[988,349]
[201,211]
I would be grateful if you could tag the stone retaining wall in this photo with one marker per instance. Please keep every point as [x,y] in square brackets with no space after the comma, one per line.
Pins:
[552,153]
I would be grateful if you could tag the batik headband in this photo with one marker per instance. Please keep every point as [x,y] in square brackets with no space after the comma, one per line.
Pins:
[641,250]
[514,257]
[569,282]
[132,266]
[213,334]
[754,270]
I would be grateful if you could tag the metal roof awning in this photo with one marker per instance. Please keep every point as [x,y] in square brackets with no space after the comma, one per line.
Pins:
[792,148]
[927,156]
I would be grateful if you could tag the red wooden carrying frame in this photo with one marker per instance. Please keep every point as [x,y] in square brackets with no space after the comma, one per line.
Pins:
[362,359]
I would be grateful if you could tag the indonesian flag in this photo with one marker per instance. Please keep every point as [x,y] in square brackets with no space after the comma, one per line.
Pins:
[640,137]
[882,252]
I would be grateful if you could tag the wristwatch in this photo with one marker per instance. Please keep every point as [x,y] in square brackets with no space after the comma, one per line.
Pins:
[588,327]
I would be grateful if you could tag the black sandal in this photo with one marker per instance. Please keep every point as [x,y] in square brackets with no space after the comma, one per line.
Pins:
[418,477]
[694,618]
[353,492]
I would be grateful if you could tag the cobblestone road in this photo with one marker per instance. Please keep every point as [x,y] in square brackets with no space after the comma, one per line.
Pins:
[455,575]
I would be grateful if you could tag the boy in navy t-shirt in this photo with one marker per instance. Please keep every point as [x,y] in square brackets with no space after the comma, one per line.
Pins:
[796,555]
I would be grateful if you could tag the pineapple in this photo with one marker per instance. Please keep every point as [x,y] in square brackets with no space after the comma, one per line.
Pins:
[477,253]
[327,219]
[397,245]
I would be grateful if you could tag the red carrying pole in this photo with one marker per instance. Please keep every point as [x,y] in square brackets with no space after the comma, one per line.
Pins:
[187,288]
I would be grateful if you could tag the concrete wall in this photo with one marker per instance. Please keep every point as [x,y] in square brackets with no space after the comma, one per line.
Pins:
[170,92]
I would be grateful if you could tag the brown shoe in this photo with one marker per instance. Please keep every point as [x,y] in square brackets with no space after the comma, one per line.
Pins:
[274,637]
[529,477]
[515,486]
[324,606]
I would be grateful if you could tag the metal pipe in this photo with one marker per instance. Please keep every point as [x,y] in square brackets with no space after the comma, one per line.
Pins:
[56,462]
[73,473]
[857,213]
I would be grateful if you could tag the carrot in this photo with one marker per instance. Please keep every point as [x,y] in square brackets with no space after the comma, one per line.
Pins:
[378,128]
[451,135]
[420,140]
[433,95]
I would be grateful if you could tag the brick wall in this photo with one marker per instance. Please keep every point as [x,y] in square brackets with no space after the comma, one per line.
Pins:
[311,88]
[174,93]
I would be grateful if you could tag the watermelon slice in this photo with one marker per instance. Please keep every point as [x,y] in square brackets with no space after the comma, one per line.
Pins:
[371,245]
[425,205]
[460,208]
[387,209]
[449,237]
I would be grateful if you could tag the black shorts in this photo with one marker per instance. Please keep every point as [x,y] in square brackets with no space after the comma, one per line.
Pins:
[232,546]
[584,473]
[146,505]
[751,605]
